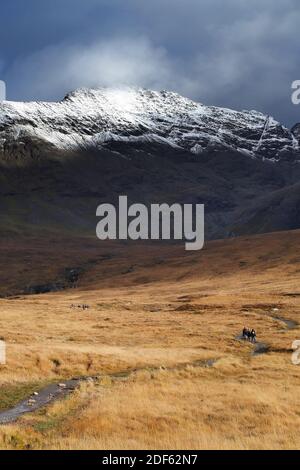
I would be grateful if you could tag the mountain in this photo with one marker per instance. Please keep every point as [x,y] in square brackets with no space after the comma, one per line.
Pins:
[58,161]
[97,118]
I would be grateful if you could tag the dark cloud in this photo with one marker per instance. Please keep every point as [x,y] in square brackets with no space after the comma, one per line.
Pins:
[238,53]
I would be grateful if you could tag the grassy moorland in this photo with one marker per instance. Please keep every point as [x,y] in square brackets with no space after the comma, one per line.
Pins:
[159,340]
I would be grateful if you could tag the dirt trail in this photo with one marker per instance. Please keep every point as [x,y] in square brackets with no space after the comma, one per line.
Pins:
[37,401]
[259,348]
[290,324]
[60,390]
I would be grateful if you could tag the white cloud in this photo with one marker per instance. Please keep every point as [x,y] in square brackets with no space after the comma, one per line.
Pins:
[236,53]
[123,61]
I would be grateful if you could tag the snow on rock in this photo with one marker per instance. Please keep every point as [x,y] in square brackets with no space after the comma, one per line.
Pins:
[94,118]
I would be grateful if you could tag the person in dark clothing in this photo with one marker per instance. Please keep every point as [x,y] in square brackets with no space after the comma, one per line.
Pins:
[245,333]
[253,336]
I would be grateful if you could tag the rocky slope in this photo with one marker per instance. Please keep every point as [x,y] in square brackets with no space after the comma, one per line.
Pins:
[94,118]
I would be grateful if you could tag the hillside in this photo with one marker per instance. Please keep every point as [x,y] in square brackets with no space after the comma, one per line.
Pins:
[41,264]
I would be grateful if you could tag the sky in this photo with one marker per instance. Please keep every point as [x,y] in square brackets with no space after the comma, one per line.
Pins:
[241,54]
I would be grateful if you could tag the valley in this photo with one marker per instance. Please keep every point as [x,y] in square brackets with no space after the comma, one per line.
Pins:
[158,343]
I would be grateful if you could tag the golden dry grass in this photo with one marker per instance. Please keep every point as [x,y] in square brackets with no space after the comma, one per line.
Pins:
[155,307]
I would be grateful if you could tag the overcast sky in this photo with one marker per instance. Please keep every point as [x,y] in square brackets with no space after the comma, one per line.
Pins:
[242,54]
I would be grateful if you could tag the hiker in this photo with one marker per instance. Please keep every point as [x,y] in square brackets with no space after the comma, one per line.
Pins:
[253,336]
[249,335]
[245,333]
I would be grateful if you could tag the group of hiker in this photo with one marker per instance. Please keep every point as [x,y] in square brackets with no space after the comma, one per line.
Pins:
[249,335]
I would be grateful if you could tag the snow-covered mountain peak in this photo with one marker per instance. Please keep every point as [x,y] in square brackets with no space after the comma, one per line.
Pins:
[96,117]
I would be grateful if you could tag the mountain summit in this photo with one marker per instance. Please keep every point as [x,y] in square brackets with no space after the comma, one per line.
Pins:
[88,118]
[59,161]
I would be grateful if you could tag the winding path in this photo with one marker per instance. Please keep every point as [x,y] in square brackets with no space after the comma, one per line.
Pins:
[60,390]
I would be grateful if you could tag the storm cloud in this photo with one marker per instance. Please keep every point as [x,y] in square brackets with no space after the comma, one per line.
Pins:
[238,53]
